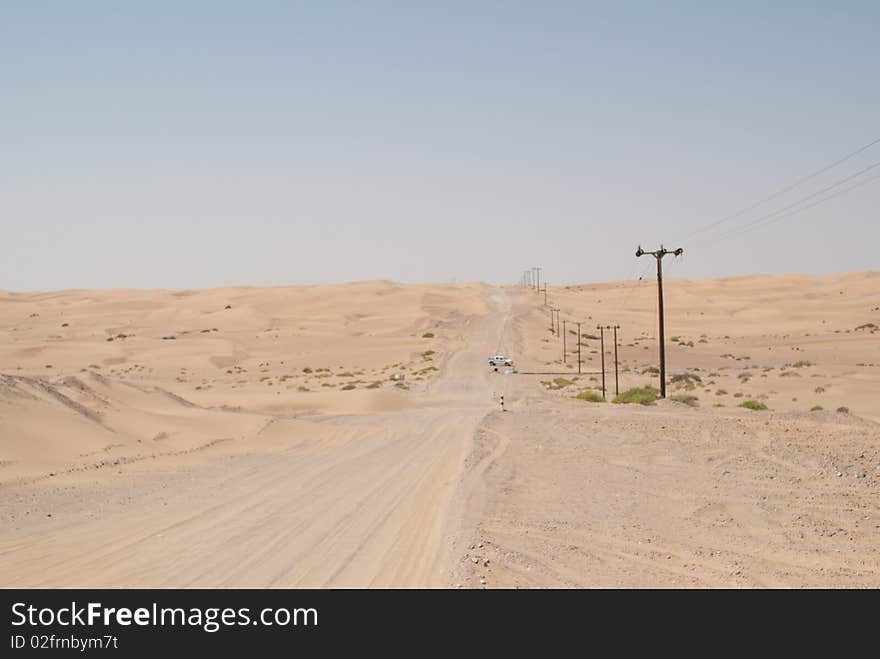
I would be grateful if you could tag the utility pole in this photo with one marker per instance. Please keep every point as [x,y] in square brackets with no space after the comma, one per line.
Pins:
[552,329]
[579,348]
[659,254]
[602,353]
[616,379]
[545,293]
[563,341]
[538,279]
[557,320]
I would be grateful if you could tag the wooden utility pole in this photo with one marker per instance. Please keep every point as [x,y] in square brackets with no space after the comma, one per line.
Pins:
[659,254]
[616,378]
[563,341]
[545,293]
[538,279]
[602,353]
[552,328]
[579,348]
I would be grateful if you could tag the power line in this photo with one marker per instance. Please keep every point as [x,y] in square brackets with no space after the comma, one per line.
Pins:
[782,191]
[839,193]
[774,215]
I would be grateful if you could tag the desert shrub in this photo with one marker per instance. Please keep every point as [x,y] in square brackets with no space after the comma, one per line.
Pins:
[738,394]
[559,383]
[843,409]
[753,405]
[820,390]
[590,396]
[721,392]
[428,335]
[349,387]
[307,370]
[640,395]
[346,374]
[374,385]
[301,388]
[686,379]
[651,370]
[816,408]
[687,399]
[801,363]
[427,354]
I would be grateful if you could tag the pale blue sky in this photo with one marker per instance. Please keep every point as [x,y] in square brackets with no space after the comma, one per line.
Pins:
[191,144]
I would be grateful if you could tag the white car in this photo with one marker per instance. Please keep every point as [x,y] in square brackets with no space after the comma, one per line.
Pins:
[500,360]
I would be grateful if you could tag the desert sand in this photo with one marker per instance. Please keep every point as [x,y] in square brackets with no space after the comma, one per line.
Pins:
[350,435]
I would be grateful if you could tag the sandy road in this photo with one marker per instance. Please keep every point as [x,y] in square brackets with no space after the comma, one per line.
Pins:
[346,500]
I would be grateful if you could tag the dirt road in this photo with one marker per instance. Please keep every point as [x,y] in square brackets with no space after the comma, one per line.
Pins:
[330,500]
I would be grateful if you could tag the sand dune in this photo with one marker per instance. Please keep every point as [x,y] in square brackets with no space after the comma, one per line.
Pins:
[349,436]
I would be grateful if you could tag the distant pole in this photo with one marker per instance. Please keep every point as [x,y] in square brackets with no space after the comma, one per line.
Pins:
[659,254]
[579,348]
[602,352]
[538,279]
[551,321]
[563,341]
[616,378]
[557,320]
[545,293]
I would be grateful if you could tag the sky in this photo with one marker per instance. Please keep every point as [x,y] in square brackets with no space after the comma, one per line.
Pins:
[199,144]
